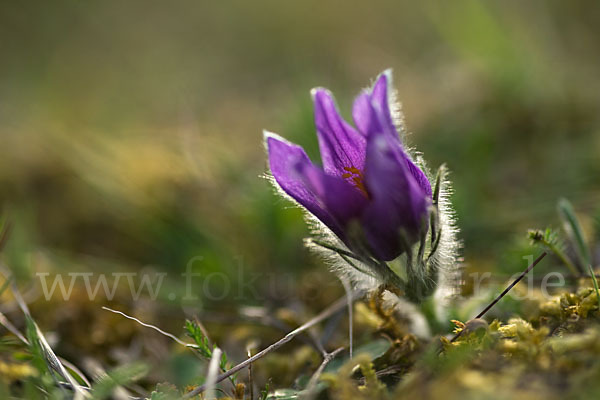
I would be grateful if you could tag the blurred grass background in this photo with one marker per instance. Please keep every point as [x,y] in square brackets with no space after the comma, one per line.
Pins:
[131,132]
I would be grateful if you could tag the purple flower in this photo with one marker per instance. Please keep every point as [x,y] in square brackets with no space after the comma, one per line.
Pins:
[367,179]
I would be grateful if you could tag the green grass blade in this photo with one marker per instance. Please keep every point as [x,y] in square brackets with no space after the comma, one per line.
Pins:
[574,231]
[595,282]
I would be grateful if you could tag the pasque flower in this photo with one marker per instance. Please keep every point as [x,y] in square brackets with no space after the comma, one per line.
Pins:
[371,206]
[369,192]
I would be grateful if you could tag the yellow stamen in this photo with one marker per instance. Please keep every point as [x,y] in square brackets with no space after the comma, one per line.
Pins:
[355,177]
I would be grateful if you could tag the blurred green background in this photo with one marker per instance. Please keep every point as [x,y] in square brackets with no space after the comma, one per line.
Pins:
[131,132]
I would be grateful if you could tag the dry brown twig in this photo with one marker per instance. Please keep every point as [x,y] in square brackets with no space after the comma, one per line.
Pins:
[501,295]
[314,379]
[329,311]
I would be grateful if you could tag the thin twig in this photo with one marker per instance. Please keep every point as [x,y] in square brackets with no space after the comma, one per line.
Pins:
[348,290]
[265,320]
[329,311]
[502,278]
[316,342]
[501,295]
[314,379]
[330,328]
[156,328]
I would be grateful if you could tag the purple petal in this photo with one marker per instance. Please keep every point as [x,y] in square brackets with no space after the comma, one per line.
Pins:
[398,205]
[331,199]
[380,97]
[371,113]
[419,175]
[342,201]
[371,109]
[342,147]
[364,115]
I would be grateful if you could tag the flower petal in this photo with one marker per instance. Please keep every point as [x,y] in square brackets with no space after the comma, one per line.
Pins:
[342,147]
[419,175]
[340,199]
[364,115]
[380,97]
[371,110]
[399,205]
[331,199]
[372,115]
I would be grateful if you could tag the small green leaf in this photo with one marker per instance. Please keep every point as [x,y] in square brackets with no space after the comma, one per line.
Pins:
[194,332]
[223,363]
[265,392]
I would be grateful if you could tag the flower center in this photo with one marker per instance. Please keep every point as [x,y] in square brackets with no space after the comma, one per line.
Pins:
[355,177]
